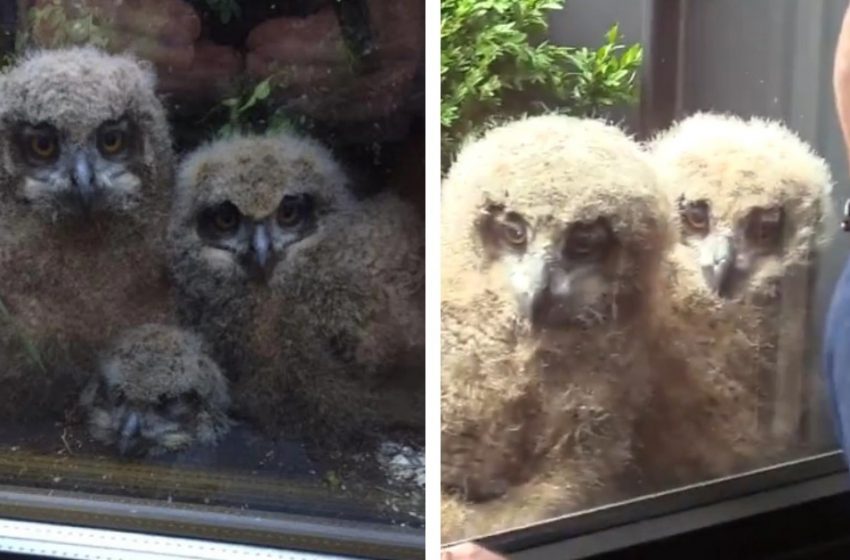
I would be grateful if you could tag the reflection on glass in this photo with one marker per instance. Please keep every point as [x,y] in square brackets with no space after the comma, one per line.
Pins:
[212,253]
[620,318]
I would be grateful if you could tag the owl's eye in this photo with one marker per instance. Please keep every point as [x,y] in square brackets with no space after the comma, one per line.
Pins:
[112,142]
[41,143]
[513,230]
[293,210]
[43,146]
[588,240]
[764,226]
[225,218]
[696,215]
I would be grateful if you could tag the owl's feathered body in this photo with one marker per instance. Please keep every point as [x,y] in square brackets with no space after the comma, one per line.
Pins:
[552,241]
[157,390]
[700,422]
[328,333]
[85,174]
[751,207]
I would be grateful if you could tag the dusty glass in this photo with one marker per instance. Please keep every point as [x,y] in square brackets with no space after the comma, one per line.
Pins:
[212,253]
[632,299]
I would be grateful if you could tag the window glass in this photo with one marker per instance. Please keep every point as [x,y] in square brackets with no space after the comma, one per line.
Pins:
[638,244]
[212,253]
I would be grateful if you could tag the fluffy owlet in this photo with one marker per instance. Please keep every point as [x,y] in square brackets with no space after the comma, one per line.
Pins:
[313,301]
[553,234]
[751,202]
[156,390]
[85,174]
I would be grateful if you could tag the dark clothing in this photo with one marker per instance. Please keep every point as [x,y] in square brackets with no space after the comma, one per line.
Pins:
[836,356]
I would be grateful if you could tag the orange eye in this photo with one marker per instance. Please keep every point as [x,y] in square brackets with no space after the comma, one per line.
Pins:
[43,146]
[293,210]
[513,230]
[112,142]
[226,217]
[696,215]
[288,214]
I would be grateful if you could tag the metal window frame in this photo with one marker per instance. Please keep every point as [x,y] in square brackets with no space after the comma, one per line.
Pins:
[624,525]
[44,540]
[214,525]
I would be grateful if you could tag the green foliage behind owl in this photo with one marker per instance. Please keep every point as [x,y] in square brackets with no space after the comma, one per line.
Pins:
[496,62]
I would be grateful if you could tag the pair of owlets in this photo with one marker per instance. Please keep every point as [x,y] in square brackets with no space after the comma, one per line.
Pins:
[308,303]
[618,320]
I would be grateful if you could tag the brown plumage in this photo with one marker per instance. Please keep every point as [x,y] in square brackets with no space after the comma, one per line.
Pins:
[156,390]
[85,173]
[751,207]
[312,300]
[553,234]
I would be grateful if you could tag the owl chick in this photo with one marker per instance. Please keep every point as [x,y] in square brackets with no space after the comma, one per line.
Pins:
[156,390]
[751,201]
[700,422]
[552,240]
[312,300]
[85,173]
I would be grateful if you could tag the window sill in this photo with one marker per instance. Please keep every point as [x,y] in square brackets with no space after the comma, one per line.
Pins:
[71,515]
[621,527]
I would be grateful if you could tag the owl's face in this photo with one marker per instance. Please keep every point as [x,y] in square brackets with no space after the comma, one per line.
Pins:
[253,243]
[140,425]
[732,248]
[81,132]
[248,204]
[751,200]
[562,272]
[78,173]
[564,216]
[156,390]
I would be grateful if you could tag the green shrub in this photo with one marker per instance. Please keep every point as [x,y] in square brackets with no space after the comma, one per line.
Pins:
[496,63]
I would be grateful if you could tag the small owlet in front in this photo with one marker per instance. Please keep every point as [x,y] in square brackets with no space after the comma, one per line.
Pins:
[312,300]
[156,390]
[85,174]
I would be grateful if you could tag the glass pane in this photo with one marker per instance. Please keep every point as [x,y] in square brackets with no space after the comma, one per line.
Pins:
[639,241]
[212,253]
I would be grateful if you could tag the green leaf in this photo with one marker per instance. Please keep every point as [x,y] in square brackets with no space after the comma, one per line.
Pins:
[263,89]
[494,54]
[613,34]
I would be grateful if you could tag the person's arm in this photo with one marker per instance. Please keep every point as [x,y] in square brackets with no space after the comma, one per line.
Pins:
[469,551]
[841,79]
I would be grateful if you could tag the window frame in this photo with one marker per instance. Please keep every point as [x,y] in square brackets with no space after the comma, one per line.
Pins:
[154,518]
[649,520]
[87,521]
[43,540]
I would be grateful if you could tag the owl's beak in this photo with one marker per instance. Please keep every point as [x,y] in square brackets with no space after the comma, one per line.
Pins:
[531,284]
[131,428]
[81,177]
[717,260]
[259,261]
[261,244]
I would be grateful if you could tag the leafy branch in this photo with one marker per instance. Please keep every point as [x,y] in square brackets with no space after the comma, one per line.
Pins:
[53,25]
[253,108]
[496,62]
